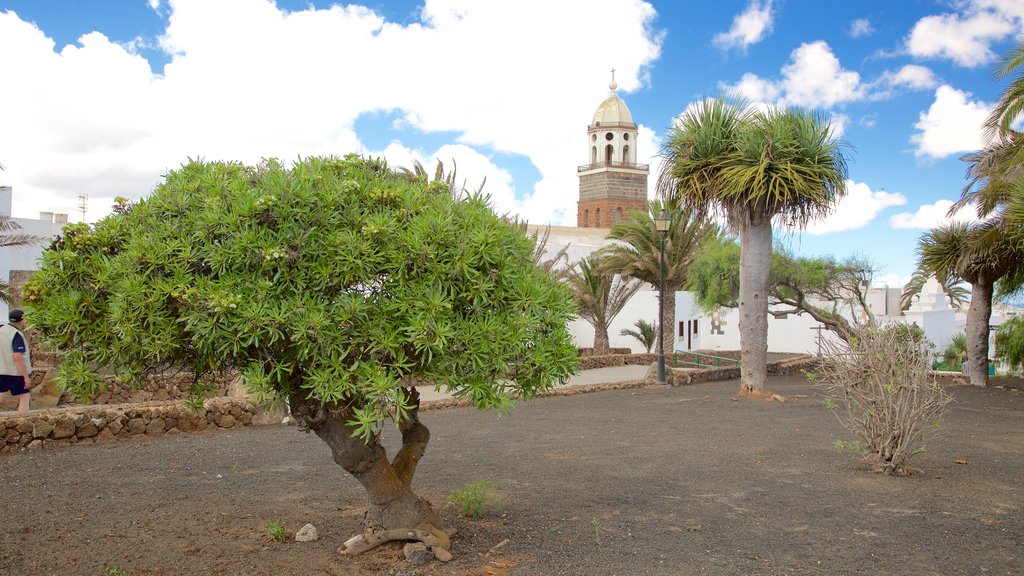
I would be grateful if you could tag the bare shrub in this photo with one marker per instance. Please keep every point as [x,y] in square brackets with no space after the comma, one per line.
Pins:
[882,393]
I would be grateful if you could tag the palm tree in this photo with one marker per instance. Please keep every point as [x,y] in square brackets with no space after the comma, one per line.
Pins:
[637,252]
[980,255]
[754,166]
[645,333]
[1011,101]
[601,295]
[953,287]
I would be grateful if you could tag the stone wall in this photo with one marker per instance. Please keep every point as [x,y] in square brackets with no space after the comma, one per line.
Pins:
[89,425]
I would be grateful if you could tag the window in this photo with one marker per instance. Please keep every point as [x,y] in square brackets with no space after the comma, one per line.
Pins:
[625,154]
[597,218]
[586,218]
[609,150]
[609,136]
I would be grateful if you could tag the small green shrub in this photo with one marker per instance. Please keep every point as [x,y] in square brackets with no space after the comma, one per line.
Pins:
[854,447]
[115,571]
[473,500]
[275,531]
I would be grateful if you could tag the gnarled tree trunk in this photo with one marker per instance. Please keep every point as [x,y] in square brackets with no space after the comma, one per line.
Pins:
[601,339]
[978,315]
[755,267]
[395,511]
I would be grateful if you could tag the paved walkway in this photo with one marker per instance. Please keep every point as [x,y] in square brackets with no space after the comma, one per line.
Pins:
[585,377]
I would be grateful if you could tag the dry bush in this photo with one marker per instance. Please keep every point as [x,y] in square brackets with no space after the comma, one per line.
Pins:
[882,392]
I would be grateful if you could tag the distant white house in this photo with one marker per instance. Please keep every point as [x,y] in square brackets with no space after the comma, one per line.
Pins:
[17,263]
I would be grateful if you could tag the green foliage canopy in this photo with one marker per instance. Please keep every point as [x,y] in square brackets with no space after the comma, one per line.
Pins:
[337,279]
[821,287]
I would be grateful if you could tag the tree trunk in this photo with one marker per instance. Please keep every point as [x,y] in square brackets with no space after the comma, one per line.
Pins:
[755,267]
[978,315]
[668,332]
[601,339]
[395,511]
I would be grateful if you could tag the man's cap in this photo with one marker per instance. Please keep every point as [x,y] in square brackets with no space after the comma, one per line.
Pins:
[15,315]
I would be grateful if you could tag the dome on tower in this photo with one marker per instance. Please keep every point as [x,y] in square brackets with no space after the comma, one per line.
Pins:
[613,110]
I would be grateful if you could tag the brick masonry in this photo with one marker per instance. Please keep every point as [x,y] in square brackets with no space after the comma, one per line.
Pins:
[607,197]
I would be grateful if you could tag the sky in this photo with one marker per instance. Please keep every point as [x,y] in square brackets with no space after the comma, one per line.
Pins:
[102,98]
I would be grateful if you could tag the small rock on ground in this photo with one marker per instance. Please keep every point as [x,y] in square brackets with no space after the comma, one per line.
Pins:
[306,534]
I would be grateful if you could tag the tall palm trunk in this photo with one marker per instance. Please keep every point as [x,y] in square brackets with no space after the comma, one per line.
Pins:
[978,315]
[666,334]
[755,267]
[601,345]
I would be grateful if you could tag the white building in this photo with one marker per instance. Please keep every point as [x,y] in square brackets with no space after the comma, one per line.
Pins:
[17,263]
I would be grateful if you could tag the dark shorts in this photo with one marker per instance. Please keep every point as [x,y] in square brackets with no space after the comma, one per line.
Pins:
[13,384]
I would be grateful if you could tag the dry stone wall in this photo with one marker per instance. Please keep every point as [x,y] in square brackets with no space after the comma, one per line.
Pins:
[91,424]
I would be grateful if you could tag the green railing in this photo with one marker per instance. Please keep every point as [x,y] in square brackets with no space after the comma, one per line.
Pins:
[711,361]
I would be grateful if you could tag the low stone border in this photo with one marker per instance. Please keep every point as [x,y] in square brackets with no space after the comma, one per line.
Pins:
[91,424]
[607,361]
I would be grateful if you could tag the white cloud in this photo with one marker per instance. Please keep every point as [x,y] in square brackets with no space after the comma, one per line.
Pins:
[861,27]
[890,280]
[748,27]
[813,78]
[247,80]
[966,36]
[931,215]
[952,124]
[915,77]
[855,210]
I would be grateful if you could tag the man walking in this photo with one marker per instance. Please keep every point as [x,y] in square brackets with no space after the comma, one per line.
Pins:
[15,360]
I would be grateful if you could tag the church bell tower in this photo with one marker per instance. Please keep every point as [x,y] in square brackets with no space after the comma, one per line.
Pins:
[612,183]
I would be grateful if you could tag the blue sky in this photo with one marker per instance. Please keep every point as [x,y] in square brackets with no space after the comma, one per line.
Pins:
[102,98]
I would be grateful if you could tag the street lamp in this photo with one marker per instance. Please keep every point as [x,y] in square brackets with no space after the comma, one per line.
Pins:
[661,223]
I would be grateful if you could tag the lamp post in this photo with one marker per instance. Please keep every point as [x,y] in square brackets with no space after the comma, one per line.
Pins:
[661,223]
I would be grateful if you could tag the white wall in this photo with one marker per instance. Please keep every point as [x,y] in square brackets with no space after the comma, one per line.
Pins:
[25,257]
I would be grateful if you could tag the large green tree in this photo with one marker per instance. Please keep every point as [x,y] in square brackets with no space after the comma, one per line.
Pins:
[601,295]
[832,292]
[754,166]
[338,285]
[980,254]
[637,253]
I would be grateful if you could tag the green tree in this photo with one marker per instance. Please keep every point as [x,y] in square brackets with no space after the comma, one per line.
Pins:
[336,284]
[645,333]
[601,295]
[755,166]
[830,291]
[1011,102]
[1010,342]
[980,254]
[954,289]
[637,252]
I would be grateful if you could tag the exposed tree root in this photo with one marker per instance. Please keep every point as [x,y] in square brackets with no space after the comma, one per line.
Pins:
[435,539]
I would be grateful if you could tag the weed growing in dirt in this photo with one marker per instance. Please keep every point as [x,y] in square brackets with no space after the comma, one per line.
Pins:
[275,531]
[854,447]
[473,500]
[115,571]
[597,529]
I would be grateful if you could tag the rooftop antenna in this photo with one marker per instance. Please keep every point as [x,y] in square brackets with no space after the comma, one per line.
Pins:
[83,203]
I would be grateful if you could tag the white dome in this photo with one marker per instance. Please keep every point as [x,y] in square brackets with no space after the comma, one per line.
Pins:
[613,110]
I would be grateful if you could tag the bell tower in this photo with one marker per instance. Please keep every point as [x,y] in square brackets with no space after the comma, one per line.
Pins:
[612,183]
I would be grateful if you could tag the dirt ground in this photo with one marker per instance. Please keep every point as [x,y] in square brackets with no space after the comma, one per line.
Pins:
[648,481]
